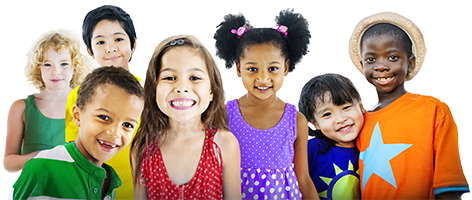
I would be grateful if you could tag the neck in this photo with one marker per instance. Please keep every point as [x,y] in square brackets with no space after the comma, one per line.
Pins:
[251,100]
[55,94]
[185,129]
[84,153]
[386,99]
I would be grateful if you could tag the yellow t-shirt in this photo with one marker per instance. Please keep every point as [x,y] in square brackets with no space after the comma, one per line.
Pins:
[120,162]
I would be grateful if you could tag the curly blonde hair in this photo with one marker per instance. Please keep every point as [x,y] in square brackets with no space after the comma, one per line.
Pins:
[58,39]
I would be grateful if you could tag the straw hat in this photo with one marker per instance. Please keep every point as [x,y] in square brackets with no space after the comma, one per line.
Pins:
[418,45]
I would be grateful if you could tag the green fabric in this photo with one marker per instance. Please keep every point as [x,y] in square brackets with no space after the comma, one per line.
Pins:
[63,172]
[40,132]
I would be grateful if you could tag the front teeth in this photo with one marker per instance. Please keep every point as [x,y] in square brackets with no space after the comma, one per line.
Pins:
[384,79]
[113,146]
[182,103]
[345,128]
[262,88]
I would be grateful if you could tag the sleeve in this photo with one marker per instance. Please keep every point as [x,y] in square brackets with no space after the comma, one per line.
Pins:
[448,173]
[72,131]
[26,183]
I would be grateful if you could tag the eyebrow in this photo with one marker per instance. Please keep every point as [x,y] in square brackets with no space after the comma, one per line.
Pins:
[254,63]
[191,69]
[117,33]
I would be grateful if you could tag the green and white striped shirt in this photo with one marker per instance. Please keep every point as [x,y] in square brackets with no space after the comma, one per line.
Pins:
[64,173]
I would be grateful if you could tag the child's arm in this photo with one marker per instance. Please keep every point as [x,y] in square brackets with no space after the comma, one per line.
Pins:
[300,160]
[140,191]
[13,160]
[231,159]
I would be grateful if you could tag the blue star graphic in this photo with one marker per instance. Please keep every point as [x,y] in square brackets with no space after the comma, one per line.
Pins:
[377,156]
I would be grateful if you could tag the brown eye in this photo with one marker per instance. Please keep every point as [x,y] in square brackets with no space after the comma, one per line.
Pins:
[370,60]
[393,58]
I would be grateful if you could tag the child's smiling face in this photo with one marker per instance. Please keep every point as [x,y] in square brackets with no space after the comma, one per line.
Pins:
[111,44]
[57,69]
[106,124]
[385,63]
[183,86]
[340,123]
[262,69]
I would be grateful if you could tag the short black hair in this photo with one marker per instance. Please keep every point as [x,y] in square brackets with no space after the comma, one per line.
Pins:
[341,91]
[107,76]
[390,30]
[111,13]
[294,45]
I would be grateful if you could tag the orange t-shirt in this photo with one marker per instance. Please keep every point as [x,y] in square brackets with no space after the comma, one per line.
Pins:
[409,149]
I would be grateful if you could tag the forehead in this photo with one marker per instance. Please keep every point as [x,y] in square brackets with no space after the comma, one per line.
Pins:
[107,27]
[179,59]
[51,52]
[262,51]
[380,42]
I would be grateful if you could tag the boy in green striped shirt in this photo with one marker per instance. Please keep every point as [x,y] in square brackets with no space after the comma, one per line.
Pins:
[109,104]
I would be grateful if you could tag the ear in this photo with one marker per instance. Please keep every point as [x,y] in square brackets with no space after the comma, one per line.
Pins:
[134,46]
[211,95]
[238,69]
[287,65]
[90,53]
[76,115]
[411,64]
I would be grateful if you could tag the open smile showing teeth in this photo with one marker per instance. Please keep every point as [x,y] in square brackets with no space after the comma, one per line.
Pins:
[262,88]
[182,103]
[107,144]
[345,128]
[384,79]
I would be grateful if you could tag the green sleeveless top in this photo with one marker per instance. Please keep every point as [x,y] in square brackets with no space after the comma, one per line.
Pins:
[41,133]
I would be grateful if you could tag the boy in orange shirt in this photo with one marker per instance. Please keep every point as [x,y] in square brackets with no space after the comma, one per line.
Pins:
[409,143]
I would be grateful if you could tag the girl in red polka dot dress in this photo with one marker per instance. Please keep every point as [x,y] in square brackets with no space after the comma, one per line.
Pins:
[183,149]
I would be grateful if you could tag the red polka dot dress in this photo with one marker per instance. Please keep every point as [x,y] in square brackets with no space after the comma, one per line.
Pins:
[207,182]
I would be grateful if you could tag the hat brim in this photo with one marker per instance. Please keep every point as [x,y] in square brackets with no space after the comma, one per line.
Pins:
[419,48]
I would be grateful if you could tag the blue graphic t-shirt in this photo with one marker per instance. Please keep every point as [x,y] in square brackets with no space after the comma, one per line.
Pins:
[336,173]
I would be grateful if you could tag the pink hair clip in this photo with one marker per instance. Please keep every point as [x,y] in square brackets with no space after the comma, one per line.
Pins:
[283,29]
[241,30]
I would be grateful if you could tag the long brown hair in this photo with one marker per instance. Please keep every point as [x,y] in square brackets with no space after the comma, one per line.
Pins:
[154,123]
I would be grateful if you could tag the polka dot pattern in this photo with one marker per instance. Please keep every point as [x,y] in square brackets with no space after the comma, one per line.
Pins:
[266,155]
[207,182]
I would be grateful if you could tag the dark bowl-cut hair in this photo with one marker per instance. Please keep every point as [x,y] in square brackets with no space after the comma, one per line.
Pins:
[154,123]
[390,30]
[293,46]
[111,13]
[340,90]
[107,76]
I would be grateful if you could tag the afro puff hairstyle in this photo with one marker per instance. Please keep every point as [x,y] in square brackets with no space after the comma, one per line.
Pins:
[230,47]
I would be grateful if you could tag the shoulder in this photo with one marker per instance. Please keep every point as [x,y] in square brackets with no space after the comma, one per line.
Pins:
[46,159]
[58,153]
[226,140]
[72,98]
[424,99]
[18,106]
[301,119]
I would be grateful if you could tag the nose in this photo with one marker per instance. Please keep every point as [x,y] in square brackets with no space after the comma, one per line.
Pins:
[181,87]
[56,70]
[113,131]
[381,67]
[110,48]
[340,118]
[263,76]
